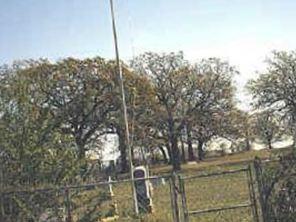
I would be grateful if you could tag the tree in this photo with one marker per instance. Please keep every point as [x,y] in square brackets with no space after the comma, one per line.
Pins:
[186,93]
[81,95]
[267,127]
[242,127]
[49,116]
[78,97]
[275,88]
[168,73]
[211,99]
[32,150]
[140,99]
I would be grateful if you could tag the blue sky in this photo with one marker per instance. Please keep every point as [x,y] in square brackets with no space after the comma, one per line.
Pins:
[241,31]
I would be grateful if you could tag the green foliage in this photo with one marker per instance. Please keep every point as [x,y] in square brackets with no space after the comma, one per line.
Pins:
[53,113]
[196,97]
[275,88]
[34,153]
[279,190]
[268,127]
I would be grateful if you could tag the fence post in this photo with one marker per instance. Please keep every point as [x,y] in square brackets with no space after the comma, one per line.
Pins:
[1,194]
[258,174]
[184,201]
[68,206]
[174,198]
[252,194]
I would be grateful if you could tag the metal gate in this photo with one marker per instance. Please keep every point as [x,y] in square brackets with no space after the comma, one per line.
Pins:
[219,196]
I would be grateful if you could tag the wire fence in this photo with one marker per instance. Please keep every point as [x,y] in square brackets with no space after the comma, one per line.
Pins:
[89,202]
[236,193]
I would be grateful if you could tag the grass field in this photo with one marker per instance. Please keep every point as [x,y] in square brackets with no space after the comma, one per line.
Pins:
[201,193]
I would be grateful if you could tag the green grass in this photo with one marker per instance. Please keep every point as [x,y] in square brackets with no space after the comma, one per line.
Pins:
[221,162]
[201,193]
[218,191]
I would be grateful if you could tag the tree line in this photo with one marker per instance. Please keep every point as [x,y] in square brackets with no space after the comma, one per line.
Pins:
[53,113]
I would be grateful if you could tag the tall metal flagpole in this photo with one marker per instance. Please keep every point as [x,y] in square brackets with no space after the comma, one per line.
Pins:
[124,108]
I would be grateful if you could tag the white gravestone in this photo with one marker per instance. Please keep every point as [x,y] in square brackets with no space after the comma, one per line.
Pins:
[142,190]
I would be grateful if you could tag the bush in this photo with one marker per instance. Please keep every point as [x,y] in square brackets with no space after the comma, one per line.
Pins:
[278,189]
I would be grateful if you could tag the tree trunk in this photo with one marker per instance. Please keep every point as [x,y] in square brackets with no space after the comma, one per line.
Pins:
[169,153]
[81,157]
[191,156]
[132,153]
[122,150]
[175,154]
[183,150]
[269,144]
[165,158]
[173,141]
[294,136]
[200,150]
[81,149]
[153,158]
[248,145]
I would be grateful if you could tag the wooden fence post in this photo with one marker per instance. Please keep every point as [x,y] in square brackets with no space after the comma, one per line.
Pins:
[184,201]
[174,198]
[68,206]
[252,194]
[258,174]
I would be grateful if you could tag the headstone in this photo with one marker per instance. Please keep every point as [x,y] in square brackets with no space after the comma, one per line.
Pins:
[110,187]
[142,190]
[158,182]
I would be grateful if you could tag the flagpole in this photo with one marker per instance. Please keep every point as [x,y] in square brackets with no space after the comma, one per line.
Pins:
[119,69]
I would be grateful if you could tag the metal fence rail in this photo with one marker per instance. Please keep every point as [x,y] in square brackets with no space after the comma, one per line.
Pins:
[228,195]
[219,196]
[85,202]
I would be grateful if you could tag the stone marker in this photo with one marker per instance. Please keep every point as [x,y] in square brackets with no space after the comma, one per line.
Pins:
[142,190]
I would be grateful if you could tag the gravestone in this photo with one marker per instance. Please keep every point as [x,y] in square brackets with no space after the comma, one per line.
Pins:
[142,190]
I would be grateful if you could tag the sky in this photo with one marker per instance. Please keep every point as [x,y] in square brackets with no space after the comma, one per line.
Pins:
[243,32]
